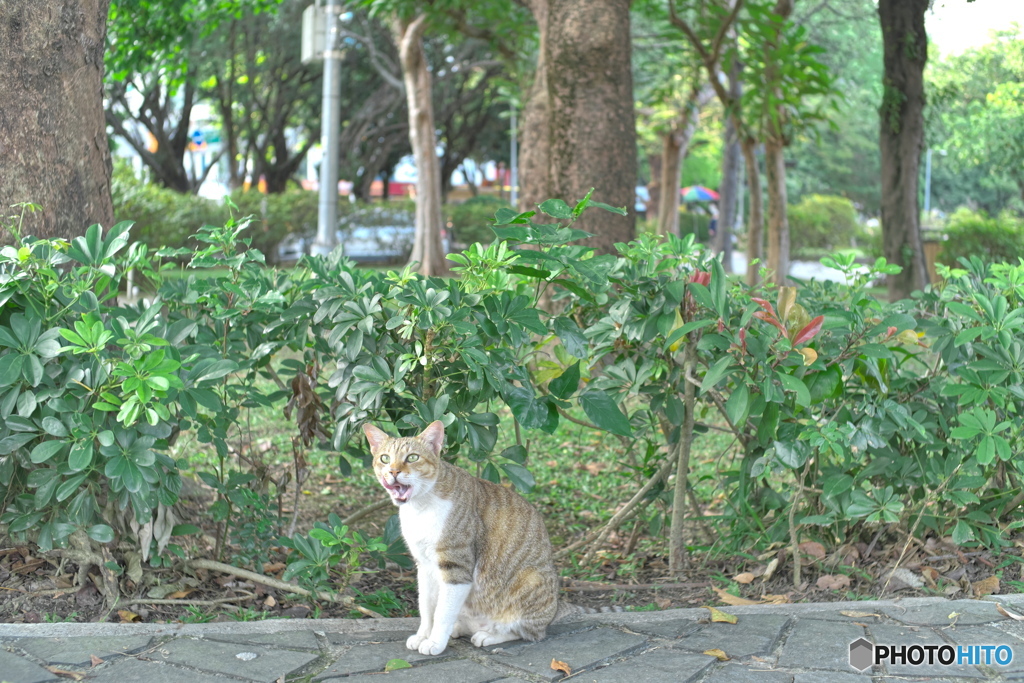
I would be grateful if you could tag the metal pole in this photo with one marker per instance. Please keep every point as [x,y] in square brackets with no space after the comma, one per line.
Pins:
[327,218]
[515,159]
[927,183]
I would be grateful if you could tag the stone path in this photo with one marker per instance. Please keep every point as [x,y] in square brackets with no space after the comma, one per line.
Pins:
[808,643]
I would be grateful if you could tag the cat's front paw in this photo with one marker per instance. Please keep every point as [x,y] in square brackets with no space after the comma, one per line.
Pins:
[414,642]
[429,647]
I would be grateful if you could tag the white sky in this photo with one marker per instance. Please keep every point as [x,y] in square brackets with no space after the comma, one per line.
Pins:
[956,25]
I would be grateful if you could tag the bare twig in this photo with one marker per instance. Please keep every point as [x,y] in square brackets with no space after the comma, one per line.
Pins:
[366,512]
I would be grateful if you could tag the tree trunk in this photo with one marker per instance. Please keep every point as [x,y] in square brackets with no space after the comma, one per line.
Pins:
[654,187]
[755,250]
[729,194]
[591,113]
[534,183]
[427,249]
[675,145]
[778,222]
[902,138]
[53,140]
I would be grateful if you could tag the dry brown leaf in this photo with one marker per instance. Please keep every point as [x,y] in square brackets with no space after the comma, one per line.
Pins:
[1006,613]
[721,617]
[561,666]
[744,578]
[273,567]
[730,599]
[178,595]
[662,603]
[770,569]
[813,548]
[858,615]
[989,586]
[722,657]
[270,601]
[64,673]
[833,582]
[930,576]
[96,661]
[128,617]
[769,599]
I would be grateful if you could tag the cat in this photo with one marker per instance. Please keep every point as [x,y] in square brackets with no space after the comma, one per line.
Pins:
[483,558]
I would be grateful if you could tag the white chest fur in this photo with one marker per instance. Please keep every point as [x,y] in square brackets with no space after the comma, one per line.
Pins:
[422,525]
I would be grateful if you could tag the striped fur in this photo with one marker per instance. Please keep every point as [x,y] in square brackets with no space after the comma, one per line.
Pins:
[483,557]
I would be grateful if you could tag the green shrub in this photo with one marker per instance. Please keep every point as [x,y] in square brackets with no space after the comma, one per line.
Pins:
[821,223]
[696,224]
[974,233]
[470,221]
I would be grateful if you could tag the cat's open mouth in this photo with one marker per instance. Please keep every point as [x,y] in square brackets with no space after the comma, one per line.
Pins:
[399,492]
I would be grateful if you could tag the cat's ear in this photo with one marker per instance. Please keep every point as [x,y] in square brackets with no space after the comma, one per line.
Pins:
[434,436]
[374,436]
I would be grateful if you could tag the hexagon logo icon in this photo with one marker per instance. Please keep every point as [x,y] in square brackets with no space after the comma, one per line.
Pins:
[862,652]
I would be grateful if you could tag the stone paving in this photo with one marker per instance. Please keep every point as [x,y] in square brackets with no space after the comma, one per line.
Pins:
[807,643]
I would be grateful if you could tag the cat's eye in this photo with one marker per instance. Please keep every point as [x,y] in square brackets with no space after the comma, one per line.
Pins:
[412,458]
[385,459]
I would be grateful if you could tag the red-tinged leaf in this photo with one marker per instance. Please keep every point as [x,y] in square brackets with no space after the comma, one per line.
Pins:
[701,277]
[807,334]
[770,319]
[743,339]
[890,331]
[765,304]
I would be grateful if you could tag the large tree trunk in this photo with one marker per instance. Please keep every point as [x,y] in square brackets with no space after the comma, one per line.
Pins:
[534,184]
[775,162]
[729,191]
[755,225]
[901,140]
[53,141]
[427,249]
[654,186]
[675,144]
[591,113]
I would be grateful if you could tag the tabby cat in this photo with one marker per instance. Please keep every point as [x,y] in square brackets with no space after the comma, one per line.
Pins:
[483,557]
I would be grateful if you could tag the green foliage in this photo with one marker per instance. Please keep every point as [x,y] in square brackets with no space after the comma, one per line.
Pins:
[470,221]
[821,222]
[974,233]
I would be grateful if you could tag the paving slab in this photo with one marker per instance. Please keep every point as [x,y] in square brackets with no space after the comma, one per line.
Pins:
[959,612]
[248,661]
[372,658]
[672,629]
[852,616]
[810,645]
[129,670]
[661,664]
[989,635]
[15,669]
[737,673]
[580,651]
[751,635]
[290,640]
[831,677]
[80,651]
[918,635]
[362,638]
[459,671]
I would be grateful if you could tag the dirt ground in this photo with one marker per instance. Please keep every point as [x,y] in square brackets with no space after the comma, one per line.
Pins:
[44,587]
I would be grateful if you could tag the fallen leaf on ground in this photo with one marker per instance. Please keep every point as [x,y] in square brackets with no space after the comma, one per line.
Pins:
[930,576]
[270,601]
[96,661]
[1006,613]
[561,666]
[987,586]
[770,569]
[730,599]
[721,617]
[722,657]
[662,603]
[745,577]
[273,567]
[833,582]
[904,578]
[769,599]
[64,673]
[395,664]
[858,615]
[178,595]
[813,548]
[128,617]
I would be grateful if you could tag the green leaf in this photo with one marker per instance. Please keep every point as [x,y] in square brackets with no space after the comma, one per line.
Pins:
[791,383]
[556,208]
[54,427]
[185,530]
[792,455]
[515,453]
[10,368]
[45,450]
[719,281]
[101,533]
[571,336]
[80,456]
[962,533]
[604,412]
[738,405]
[715,375]
[396,664]
[621,210]
[565,385]
[520,477]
